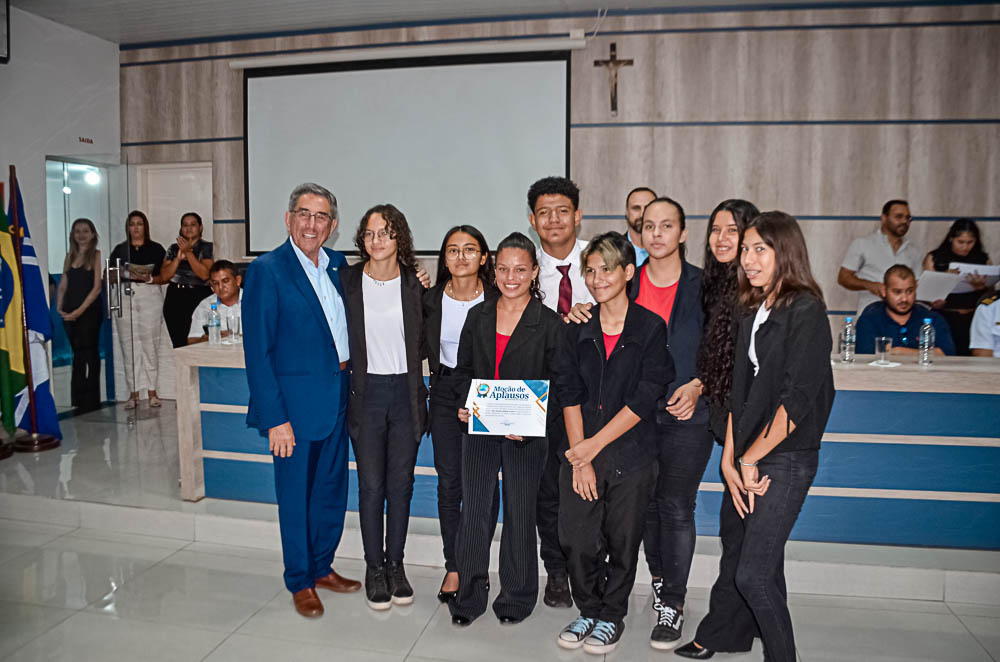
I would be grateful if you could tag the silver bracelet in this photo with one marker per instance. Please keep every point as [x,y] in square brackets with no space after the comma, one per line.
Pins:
[746,464]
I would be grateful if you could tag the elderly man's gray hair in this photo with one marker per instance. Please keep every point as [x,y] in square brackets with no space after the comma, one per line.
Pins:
[312,189]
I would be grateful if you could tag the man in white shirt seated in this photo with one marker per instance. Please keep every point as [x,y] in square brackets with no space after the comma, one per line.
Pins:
[227,294]
[985,333]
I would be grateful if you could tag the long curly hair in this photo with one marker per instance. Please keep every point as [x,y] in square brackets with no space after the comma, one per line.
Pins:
[719,299]
[398,230]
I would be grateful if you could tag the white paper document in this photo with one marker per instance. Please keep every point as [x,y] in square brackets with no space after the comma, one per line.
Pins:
[934,285]
[508,406]
[989,271]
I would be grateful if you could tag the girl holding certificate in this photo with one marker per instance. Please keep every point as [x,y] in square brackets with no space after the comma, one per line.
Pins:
[387,410]
[464,279]
[612,370]
[781,397]
[512,337]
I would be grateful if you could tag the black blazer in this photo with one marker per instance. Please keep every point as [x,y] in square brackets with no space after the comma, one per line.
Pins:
[683,338]
[413,336]
[530,353]
[432,329]
[793,350]
[635,375]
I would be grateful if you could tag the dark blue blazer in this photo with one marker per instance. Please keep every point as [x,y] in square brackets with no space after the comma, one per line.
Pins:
[293,368]
[683,339]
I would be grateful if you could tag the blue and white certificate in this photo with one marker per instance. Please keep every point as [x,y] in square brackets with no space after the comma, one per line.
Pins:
[508,406]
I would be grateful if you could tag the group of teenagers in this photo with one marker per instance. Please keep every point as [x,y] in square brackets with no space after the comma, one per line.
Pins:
[650,363]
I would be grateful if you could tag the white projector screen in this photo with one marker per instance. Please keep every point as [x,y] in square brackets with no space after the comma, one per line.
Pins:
[447,140]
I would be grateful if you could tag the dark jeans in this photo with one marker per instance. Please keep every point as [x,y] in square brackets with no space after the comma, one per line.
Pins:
[178,308]
[749,597]
[446,435]
[482,457]
[385,454]
[548,504]
[610,527]
[84,337]
[670,534]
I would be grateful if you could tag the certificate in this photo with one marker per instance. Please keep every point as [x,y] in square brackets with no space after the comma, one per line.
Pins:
[508,406]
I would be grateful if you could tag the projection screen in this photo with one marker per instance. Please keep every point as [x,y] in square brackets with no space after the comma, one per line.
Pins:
[449,141]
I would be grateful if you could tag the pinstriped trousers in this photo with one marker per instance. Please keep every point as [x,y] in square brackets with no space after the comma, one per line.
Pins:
[482,457]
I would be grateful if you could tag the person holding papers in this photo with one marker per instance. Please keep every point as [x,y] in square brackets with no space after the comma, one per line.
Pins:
[512,337]
[961,245]
[612,370]
[387,409]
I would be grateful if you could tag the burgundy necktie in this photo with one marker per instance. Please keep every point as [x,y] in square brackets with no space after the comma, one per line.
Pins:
[565,290]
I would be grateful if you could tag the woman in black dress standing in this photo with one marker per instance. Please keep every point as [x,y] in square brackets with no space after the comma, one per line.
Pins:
[186,267]
[78,304]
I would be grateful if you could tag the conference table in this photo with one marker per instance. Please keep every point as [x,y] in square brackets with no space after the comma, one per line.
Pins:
[911,454]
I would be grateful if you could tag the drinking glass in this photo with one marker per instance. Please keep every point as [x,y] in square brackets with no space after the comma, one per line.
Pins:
[882,346]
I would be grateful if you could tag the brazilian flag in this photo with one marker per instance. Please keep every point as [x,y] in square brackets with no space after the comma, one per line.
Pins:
[12,374]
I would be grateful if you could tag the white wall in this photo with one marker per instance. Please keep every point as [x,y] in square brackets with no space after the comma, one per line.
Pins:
[60,85]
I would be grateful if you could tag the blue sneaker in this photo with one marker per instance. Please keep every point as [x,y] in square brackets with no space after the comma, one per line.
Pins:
[574,634]
[604,638]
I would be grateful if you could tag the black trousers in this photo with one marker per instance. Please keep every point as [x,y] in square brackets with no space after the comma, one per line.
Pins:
[749,598]
[178,308]
[84,335]
[385,454]
[547,514]
[482,457]
[670,534]
[608,528]
[446,435]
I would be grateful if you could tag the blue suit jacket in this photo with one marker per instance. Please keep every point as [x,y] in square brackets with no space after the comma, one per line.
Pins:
[293,368]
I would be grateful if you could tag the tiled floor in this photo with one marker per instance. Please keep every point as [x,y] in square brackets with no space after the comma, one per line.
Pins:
[83,594]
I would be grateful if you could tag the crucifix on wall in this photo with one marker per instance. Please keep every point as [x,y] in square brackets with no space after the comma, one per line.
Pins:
[613,64]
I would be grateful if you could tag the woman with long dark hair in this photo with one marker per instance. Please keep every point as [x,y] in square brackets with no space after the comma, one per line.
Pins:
[78,303]
[186,268]
[962,244]
[139,330]
[782,394]
[464,279]
[514,336]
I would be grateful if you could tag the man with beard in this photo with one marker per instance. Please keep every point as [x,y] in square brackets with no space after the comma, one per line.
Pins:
[635,203]
[868,257]
[900,317]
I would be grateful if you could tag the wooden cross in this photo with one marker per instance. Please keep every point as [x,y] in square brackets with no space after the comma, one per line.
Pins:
[613,64]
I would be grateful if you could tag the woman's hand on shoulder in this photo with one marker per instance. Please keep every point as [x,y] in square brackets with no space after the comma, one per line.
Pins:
[579,313]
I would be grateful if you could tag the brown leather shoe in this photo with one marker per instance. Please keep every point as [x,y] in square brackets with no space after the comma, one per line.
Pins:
[307,603]
[337,584]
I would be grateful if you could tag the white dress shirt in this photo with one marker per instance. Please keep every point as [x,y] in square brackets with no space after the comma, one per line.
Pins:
[870,257]
[329,299]
[549,277]
[200,317]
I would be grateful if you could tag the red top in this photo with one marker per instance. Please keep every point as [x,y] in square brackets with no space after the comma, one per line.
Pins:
[659,300]
[502,341]
[609,344]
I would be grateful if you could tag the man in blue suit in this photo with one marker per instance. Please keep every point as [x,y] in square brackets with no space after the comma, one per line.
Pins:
[297,362]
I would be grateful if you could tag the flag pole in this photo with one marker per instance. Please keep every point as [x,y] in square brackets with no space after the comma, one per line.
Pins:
[31,442]
[6,448]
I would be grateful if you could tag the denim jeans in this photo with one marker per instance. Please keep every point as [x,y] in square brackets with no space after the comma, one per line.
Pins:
[749,597]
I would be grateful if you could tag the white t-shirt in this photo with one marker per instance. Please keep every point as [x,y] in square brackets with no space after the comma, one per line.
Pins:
[870,257]
[985,331]
[199,319]
[549,277]
[384,339]
[762,314]
[453,313]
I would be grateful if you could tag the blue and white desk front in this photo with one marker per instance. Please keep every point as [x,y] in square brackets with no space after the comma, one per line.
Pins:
[911,455]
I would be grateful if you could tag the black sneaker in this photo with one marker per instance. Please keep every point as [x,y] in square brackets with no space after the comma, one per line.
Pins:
[574,634]
[604,638]
[557,592]
[399,587]
[377,588]
[666,633]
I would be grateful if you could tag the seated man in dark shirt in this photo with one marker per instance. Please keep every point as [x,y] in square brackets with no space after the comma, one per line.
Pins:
[899,316]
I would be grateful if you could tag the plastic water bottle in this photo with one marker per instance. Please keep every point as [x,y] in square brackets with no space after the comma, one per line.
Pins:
[848,338]
[214,326]
[926,341]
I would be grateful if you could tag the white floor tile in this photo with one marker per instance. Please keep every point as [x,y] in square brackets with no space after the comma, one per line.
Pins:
[30,534]
[966,609]
[244,648]
[86,637]
[976,587]
[143,521]
[880,604]
[20,623]
[197,590]
[986,631]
